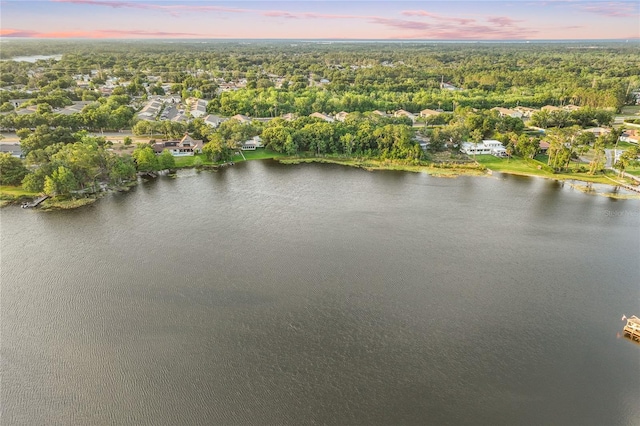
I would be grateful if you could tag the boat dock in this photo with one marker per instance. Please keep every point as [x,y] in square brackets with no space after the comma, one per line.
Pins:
[34,203]
[632,329]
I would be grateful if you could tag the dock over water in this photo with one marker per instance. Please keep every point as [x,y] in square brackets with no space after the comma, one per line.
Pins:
[34,203]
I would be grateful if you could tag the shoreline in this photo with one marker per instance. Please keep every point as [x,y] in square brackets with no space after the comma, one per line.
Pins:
[446,171]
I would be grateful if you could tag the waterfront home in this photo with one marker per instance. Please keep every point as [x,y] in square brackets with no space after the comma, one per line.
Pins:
[187,146]
[322,116]
[543,147]
[252,144]
[486,147]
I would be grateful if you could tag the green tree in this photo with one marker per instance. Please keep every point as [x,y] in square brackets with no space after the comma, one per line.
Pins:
[60,182]
[145,158]
[166,161]
[217,149]
[12,171]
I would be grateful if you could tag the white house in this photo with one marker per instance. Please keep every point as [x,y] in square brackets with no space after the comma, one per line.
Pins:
[630,135]
[252,144]
[486,147]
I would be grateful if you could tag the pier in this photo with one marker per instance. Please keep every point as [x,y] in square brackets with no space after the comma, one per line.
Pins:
[632,329]
[34,203]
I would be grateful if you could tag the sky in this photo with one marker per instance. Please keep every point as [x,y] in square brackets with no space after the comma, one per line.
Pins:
[345,19]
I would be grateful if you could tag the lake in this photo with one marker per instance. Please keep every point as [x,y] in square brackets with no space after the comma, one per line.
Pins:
[321,294]
[36,58]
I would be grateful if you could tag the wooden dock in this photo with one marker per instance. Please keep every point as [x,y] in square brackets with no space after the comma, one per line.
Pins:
[632,329]
[34,203]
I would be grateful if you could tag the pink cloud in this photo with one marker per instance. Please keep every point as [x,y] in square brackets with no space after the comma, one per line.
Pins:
[503,21]
[435,16]
[614,9]
[400,23]
[94,34]
[171,9]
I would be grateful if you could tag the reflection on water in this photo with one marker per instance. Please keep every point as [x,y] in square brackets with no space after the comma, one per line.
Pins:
[270,294]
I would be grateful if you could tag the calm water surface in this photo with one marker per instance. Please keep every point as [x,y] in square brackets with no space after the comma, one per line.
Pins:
[314,294]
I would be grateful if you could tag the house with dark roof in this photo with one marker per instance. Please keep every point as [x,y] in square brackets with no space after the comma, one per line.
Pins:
[187,146]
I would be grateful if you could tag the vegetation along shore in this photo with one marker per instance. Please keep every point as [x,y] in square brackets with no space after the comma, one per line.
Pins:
[95,116]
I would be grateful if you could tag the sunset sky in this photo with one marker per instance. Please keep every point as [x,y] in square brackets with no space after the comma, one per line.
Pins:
[404,20]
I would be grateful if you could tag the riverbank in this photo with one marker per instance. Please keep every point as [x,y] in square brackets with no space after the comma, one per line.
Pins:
[485,165]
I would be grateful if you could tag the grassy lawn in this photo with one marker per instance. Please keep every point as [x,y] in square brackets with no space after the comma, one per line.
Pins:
[622,145]
[630,110]
[258,154]
[15,192]
[519,166]
[633,170]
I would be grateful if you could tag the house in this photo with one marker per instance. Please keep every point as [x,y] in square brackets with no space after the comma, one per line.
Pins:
[630,135]
[506,112]
[12,148]
[550,108]
[150,110]
[598,131]
[187,146]
[252,144]
[429,112]
[526,111]
[213,120]
[198,107]
[403,113]
[448,86]
[241,118]
[543,147]
[341,115]
[380,113]
[289,116]
[322,116]
[488,146]
[571,108]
